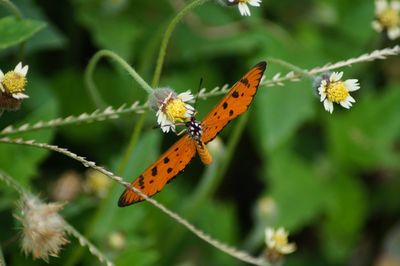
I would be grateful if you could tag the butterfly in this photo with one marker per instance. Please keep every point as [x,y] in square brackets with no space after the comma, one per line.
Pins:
[179,155]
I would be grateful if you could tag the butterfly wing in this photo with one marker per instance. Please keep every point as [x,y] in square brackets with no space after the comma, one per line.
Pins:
[154,178]
[234,103]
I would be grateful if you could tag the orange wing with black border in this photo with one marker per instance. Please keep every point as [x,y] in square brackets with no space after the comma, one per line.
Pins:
[234,103]
[157,175]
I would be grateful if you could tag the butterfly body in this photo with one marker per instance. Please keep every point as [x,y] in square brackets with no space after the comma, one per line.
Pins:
[194,129]
[179,155]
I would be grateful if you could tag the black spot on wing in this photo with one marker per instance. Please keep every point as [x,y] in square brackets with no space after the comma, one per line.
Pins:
[225,105]
[169,170]
[230,112]
[141,181]
[245,82]
[166,160]
[122,203]
[235,94]
[154,171]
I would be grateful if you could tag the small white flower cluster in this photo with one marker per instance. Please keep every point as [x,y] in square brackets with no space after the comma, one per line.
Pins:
[277,244]
[13,82]
[242,5]
[387,18]
[171,107]
[332,90]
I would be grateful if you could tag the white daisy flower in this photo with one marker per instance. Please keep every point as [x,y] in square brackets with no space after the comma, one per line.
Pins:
[171,108]
[13,83]
[387,18]
[333,90]
[243,5]
[277,243]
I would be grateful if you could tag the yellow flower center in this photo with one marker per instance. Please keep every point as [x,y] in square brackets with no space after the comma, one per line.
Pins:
[175,110]
[336,91]
[280,240]
[14,82]
[389,18]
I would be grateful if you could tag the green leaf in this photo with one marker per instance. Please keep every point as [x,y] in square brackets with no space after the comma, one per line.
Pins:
[345,205]
[365,136]
[280,111]
[296,189]
[14,31]
[21,162]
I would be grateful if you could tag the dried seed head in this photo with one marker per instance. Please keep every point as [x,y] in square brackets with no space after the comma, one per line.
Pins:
[43,229]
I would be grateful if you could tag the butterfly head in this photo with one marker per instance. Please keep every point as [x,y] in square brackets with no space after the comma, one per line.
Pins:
[194,128]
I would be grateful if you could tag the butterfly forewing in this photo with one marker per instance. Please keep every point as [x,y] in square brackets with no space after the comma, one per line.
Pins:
[234,103]
[154,178]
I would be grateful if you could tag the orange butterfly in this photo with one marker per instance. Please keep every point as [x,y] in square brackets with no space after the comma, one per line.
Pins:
[176,158]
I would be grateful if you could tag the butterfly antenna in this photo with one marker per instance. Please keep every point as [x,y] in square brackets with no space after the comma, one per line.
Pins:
[198,93]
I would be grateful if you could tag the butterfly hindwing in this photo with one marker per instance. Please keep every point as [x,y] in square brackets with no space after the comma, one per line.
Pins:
[234,103]
[157,175]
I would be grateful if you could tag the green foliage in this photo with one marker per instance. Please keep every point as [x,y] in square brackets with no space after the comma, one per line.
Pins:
[14,31]
[332,180]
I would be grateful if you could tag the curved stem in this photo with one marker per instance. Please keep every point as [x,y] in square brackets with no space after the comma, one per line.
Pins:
[167,36]
[12,8]
[132,144]
[289,66]
[93,91]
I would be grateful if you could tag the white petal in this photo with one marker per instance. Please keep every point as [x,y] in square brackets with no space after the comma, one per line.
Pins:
[19,96]
[244,9]
[321,91]
[282,231]
[352,84]
[335,76]
[158,114]
[269,232]
[21,70]
[186,96]
[395,5]
[345,103]
[376,26]
[2,88]
[380,5]
[288,248]
[393,33]
[1,75]
[18,67]
[24,70]
[254,2]
[351,99]
[328,105]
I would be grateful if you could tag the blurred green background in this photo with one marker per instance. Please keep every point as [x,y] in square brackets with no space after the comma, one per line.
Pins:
[332,180]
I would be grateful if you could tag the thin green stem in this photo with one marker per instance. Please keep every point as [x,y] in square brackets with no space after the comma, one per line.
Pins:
[92,224]
[132,144]
[290,66]
[12,8]
[167,36]
[93,91]
[12,183]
